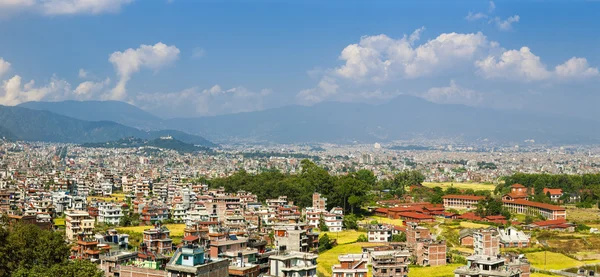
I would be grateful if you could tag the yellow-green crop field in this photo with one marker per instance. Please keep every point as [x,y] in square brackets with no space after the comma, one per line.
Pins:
[473,186]
[472,225]
[433,271]
[176,229]
[116,197]
[344,236]
[384,220]
[550,260]
[59,221]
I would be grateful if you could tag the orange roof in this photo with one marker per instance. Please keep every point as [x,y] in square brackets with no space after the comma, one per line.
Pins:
[415,215]
[550,222]
[536,205]
[553,191]
[463,197]
[517,186]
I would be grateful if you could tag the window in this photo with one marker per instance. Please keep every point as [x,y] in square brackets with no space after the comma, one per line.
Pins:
[186,257]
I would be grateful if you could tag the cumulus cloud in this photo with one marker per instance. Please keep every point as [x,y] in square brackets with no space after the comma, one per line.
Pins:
[195,101]
[492,7]
[576,68]
[326,88]
[4,67]
[513,64]
[132,60]
[13,92]
[89,89]
[63,7]
[378,58]
[453,94]
[506,24]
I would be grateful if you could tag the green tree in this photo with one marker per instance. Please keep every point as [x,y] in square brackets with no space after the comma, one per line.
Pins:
[405,179]
[350,222]
[401,237]
[324,243]
[322,226]
[362,238]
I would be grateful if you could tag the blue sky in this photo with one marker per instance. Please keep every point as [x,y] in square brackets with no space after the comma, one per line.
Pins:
[194,58]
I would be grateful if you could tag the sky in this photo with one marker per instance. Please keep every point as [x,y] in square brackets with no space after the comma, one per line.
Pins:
[185,58]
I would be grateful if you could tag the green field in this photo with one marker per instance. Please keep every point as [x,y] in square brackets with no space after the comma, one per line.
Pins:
[344,236]
[550,260]
[474,186]
[434,271]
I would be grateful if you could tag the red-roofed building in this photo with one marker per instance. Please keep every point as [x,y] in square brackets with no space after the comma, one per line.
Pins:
[381,212]
[415,217]
[554,225]
[469,216]
[461,202]
[555,194]
[498,219]
[526,207]
[518,192]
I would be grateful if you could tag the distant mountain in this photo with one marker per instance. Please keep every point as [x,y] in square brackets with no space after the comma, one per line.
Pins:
[116,111]
[405,117]
[38,125]
[172,144]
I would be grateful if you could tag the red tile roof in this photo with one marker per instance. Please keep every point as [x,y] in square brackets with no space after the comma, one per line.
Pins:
[536,205]
[469,216]
[463,197]
[517,186]
[415,215]
[550,222]
[553,191]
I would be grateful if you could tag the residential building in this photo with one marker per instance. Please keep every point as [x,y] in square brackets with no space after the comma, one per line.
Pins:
[158,240]
[555,194]
[354,265]
[110,214]
[78,222]
[390,263]
[527,207]
[292,264]
[379,232]
[511,237]
[494,266]
[291,237]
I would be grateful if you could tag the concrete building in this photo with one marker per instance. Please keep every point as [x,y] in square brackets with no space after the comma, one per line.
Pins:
[379,233]
[486,242]
[461,202]
[290,264]
[354,265]
[158,240]
[527,207]
[110,214]
[78,222]
[291,238]
[391,263]
[191,261]
[511,237]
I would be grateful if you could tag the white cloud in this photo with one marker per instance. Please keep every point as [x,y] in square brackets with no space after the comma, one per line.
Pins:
[14,92]
[88,89]
[194,101]
[378,58]
[61,7]
[4,67]
[198,53]
[82,73]
[453,94]
[492,7]
[576,68]
[513,64]
[132,60]
[506,24]
[65,7]
[326,88]
[475,16]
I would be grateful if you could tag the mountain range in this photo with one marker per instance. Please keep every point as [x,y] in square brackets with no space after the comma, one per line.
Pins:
[41,125]
[405,117]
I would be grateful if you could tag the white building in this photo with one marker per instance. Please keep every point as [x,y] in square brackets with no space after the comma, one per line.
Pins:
[110,214]
[333,219]
[293,264]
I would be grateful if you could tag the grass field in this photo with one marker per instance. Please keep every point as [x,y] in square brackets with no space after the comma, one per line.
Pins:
[176,229]
[582,215]
[474,186]
[116,197]
[344,236]
[434,271]
[384,220]
[554,261]
[59,221]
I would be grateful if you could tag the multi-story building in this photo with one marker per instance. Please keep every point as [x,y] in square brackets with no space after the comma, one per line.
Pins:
[78,222]
[292,237]
[379,233]
[191,261]
[461,202]
[391,263]
[527,207]
[290,264]
[511,237]
[332,219]
[486,242]
[354,265]
[110,214]
[494,266]
[158,240]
